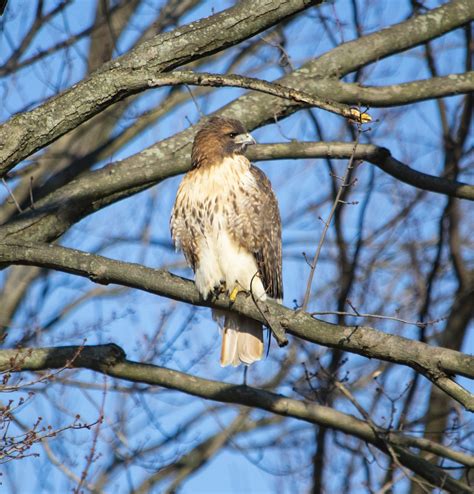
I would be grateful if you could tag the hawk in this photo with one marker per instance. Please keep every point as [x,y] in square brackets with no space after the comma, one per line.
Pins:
[227,223]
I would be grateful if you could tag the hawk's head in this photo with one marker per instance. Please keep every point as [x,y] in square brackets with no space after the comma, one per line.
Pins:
[218,138]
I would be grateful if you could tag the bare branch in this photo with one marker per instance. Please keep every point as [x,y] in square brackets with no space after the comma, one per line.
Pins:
[405,93]
[110,359]
[3,5]
[327,222]
[351,56]
[231,80]
[429,360]
[100,188]
[376,155]
[28,132]
[403,251]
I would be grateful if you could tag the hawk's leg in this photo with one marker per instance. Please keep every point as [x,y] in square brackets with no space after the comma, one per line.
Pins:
[238,288]
[234,293]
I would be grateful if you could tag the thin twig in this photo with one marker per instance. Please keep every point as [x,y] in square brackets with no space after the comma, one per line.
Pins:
[32,201]
[272,322]
[90,458]
[378,316]
[379,432]
[198,108]
[328,222]
[11,195]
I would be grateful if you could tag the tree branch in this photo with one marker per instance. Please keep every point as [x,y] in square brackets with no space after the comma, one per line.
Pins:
[405,93]
[432,362]
[417,30]
[110,360]
[232,80]
[3,5]
[381,157]
[98,189]
[26,133]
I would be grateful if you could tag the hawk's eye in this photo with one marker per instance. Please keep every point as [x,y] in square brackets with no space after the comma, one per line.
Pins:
[232,134]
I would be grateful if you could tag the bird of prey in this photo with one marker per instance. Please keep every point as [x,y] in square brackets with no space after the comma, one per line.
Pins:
[227,223]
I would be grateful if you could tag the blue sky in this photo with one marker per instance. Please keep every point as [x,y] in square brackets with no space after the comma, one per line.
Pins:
[131,319]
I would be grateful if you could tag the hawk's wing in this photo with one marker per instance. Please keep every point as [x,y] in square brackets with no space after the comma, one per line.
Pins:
[256,225]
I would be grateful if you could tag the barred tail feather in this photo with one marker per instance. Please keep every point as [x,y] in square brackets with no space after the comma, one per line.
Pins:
[242,341]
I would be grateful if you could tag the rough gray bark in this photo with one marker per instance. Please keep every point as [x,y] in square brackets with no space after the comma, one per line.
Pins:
[26,133]
[434,362]
[110,359]
[95,190]
[69,192]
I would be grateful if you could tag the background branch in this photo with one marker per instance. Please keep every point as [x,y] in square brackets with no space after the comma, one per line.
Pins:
[110,360]
[393,247]
[108,85]
[376,155]
[361,340]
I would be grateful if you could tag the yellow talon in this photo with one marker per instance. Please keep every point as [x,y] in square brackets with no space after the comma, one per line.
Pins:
[359,116]
[234,293]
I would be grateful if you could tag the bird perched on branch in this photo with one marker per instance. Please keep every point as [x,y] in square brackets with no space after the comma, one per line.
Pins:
[227,223]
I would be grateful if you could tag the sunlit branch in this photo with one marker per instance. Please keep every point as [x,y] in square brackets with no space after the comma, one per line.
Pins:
[25,133]
[378,156]
[110,359]
[273,88]
[405,93]
[435,363]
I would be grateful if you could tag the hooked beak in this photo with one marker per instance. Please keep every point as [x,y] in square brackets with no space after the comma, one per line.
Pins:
[244,140]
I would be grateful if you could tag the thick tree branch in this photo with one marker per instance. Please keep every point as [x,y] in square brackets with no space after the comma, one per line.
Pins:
[54,214]
[70,197]
[434,362]
[110,360]
[355,54]
[381,157]
[405,93]
[25,133]
[95,190]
